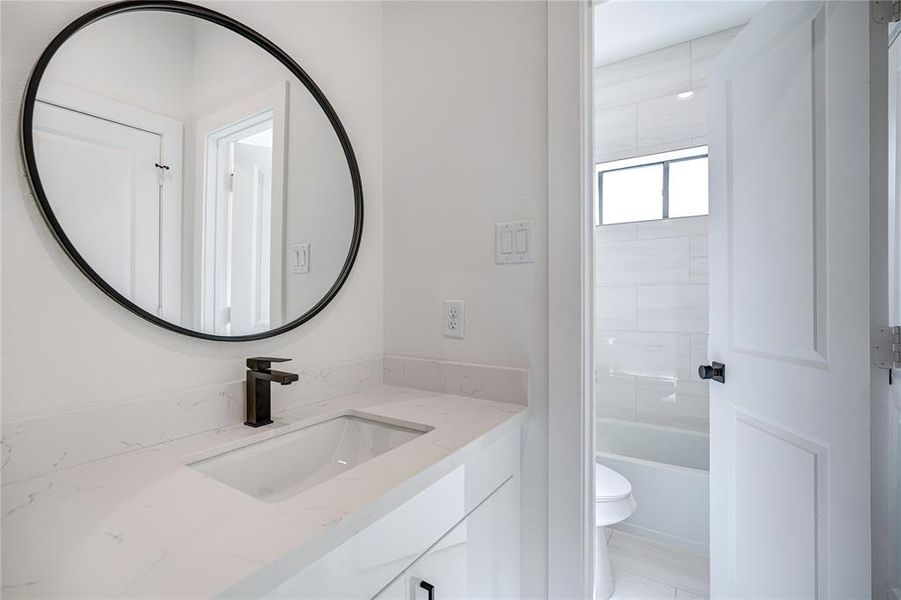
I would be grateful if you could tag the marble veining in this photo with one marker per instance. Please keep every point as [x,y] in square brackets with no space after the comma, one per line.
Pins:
[48,443]
[143,524]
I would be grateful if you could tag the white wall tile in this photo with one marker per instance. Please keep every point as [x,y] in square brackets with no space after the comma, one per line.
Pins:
[700,270]
[614,129]
[637,151]
[673,308]
[681,404]
[699,259]
[648,354]
[698,353]
[646,76]
[699,246]
[704,50]
[614,396]
[685,226]
[615,233]
[643,262]
[666,118]
[615,307]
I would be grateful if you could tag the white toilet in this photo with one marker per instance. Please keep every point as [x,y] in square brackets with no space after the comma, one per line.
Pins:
[613,502]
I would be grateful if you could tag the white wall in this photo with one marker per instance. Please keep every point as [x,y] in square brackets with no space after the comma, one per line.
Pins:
[66,345]
[465,116]
[148,69]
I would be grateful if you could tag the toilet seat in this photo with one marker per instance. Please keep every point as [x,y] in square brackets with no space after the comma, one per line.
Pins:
[609,485]
[613,501]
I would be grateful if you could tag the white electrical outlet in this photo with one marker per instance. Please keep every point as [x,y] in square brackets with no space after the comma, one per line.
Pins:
[454,317]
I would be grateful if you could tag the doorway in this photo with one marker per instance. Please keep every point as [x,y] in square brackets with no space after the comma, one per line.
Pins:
[766,285]
[239,216]
[650,294]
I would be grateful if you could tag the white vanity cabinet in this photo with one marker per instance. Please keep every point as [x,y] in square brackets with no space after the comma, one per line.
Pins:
[478,558]
[459,533]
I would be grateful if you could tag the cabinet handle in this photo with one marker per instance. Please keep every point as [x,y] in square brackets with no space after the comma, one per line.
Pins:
[429,588]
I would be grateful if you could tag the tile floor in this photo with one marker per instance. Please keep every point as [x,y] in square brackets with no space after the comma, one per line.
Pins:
[647,570]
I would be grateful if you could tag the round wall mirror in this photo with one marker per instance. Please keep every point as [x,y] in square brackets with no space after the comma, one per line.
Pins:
[192,170]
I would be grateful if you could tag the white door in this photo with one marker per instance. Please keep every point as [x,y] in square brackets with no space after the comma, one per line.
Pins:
[240,257]
[789,255]
[111,214]
[251,232]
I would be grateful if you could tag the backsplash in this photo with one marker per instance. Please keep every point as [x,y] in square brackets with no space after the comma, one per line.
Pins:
[42,444]
[501,384]
[651,322]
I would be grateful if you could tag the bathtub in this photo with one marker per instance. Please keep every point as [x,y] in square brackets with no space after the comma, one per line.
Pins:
[669,472]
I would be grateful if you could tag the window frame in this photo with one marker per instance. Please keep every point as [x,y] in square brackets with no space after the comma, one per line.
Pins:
[665,159]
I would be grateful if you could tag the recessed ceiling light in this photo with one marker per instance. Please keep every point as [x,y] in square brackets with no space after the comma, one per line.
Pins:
[685,95]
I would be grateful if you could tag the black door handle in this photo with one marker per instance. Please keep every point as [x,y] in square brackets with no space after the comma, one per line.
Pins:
[715,371]
[429,588]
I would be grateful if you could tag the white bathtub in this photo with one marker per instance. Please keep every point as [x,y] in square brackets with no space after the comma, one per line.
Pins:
[668,469]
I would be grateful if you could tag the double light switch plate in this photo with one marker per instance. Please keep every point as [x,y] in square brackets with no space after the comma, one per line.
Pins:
[513,242]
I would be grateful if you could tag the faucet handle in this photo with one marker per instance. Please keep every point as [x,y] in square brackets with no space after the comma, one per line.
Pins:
[263,363]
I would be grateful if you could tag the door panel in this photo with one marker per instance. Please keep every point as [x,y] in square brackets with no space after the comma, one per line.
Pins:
[773,137]
[251,238]
[122,241]
[789,187]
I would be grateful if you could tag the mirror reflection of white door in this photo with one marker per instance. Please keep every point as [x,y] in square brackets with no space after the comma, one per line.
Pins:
[241,148]
[243,245]
[111,214]
[789,189]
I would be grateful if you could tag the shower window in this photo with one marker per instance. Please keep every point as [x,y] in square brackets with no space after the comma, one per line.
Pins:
[648,188]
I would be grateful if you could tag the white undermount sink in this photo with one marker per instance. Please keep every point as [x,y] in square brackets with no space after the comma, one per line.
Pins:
[289,463]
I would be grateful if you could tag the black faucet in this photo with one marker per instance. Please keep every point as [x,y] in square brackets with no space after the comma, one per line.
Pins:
[259,376]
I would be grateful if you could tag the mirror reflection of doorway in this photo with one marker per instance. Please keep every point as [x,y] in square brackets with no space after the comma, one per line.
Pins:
[240,199]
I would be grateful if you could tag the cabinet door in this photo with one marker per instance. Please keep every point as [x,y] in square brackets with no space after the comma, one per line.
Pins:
[479,558]
[396,590]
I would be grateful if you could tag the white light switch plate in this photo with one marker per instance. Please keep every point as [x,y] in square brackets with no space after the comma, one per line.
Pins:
[299,258]
[513,242]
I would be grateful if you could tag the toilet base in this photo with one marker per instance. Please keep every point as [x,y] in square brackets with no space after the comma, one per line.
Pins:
[603,573]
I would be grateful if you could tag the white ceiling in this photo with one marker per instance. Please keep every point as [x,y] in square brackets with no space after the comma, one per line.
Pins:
[626,28]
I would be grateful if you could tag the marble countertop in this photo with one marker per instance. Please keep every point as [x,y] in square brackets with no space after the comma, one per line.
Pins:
[142,524]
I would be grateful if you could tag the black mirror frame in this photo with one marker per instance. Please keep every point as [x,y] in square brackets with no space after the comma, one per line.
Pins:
[212,16]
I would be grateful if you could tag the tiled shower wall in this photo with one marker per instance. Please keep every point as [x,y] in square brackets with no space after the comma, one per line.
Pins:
[651,322]
[636,109]
[651,301]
